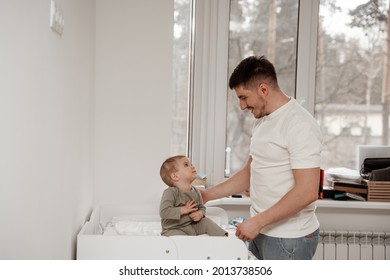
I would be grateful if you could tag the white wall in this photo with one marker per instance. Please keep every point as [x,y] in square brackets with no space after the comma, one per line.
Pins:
[83,122]
[134,41]
[46,99]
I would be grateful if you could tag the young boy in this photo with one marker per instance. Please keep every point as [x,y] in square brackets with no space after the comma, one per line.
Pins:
[181,209]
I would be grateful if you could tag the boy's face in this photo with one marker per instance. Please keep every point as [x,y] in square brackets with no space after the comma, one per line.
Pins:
[185,170]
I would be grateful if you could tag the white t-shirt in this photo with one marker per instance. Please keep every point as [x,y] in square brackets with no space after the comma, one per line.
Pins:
[288,138]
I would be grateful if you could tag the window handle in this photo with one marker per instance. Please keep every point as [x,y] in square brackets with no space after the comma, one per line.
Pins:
[227,161]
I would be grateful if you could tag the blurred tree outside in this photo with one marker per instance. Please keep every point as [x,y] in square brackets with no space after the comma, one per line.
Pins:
[180,87]
[351,83]
[259,27]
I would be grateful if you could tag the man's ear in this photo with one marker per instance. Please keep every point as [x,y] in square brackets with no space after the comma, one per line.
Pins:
[263,89]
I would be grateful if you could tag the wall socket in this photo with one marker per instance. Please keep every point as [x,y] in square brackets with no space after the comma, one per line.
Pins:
[57,21]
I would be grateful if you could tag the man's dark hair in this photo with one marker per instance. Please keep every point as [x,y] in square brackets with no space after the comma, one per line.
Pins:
[252,69]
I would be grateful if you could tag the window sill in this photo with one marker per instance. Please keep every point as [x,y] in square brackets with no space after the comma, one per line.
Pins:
[329,203]
[324,203]
[230,201]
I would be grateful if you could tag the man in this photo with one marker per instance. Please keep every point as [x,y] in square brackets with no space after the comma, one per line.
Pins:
[283,169]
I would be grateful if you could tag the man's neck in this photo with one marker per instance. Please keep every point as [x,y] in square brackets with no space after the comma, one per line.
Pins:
[279,99]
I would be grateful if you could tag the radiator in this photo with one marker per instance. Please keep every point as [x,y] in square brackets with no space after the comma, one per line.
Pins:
[344,245]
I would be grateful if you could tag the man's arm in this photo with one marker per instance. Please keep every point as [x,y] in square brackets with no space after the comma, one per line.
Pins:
[239,182]
[304,192]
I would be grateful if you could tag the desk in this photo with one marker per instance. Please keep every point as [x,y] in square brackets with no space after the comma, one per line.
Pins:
[333,215]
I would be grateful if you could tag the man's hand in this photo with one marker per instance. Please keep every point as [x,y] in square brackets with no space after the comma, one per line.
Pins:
[247,230]
[203,193]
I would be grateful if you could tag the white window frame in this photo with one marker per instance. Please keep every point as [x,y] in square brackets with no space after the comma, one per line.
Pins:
[210,79]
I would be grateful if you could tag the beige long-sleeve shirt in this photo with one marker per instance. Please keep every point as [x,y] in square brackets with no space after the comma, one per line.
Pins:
[171,201]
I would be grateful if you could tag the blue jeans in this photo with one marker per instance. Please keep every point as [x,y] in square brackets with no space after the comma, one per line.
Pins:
[273,248]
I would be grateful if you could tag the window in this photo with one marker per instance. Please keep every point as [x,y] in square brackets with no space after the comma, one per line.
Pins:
[226,32]
[181,64]
[330,55]
[262,27]
[352,93]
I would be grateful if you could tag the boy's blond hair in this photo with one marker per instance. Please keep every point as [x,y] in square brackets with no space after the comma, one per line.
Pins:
[168,167]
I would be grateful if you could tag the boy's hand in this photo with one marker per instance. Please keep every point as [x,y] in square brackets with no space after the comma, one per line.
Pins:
[190,206]
[196,216]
